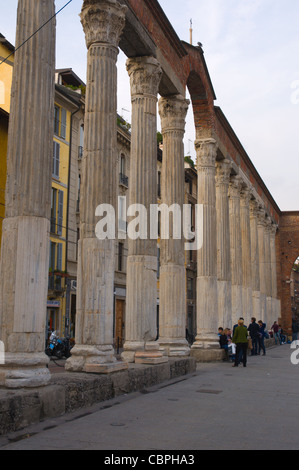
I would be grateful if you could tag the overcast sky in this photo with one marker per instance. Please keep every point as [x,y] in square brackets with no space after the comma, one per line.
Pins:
[252,53]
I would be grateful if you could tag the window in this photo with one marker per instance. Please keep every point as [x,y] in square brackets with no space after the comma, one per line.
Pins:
[60,212]
[56,159]
[56,120]
[55,264]
[57,211]
[63,124]
[53,210]
[159,184]
[60,115]
[120,256]
[123,179]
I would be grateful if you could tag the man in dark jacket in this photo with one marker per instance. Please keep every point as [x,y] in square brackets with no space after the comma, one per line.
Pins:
[254,332]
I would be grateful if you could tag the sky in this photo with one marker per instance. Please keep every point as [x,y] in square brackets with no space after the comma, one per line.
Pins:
[252,52]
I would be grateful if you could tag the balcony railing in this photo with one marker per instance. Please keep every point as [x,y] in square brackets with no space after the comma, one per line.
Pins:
[123,180]
[55,282]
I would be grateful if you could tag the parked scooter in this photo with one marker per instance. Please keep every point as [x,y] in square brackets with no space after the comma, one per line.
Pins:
[58,347]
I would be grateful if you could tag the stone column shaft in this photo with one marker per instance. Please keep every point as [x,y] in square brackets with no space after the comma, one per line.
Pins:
[223,170]
[246,251]
[207,305]
[236,248]
[141,309]
[268,270]
[255,264]
[276,307]
[25,242]
[172,311]
[103,22]
[262,263]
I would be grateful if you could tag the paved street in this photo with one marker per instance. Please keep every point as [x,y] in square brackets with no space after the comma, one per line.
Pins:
[219,407]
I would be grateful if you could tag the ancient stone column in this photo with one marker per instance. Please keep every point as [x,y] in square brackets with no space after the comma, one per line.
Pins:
[223,170]
[268,270]
[261,224]
[275,302]
[172,312]
[103,22]
[24,267]
[236,248]
[141,309]
[246,251]
[206,345]
[255,264]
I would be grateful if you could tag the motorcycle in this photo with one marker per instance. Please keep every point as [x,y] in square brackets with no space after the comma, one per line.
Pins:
[58,347]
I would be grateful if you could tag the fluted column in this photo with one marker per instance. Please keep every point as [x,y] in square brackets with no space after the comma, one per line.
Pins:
[103,22]
[236,247]
[223,170]
[25,242]
[276,307]
[268,270]
[207,305]
[141,309]
[246,251]
[255,264]
[261,224]
[172,311]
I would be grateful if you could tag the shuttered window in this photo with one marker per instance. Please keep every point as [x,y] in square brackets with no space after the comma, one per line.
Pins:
[56,159]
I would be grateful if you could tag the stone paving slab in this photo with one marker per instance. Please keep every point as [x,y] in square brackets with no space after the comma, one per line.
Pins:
[215,408]
[69,392]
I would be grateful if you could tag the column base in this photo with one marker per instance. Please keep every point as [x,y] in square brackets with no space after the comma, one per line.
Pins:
[150,348]
[175,347]
[84,355]
[207,355]
[25,370]
[206,341]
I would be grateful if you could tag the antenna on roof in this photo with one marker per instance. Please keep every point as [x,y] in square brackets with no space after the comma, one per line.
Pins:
[191,32]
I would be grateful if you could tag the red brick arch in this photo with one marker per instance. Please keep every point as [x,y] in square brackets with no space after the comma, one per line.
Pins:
[287,253]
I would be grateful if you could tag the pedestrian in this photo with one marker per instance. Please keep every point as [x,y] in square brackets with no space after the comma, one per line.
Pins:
[254,330]
[262,336]
[295,329]
[234,328]
[241,341]
[275,329]
[223,341]
[283,337]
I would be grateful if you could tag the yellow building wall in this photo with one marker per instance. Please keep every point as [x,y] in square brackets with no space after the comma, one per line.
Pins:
[3,151]
[6,71]
[61,184]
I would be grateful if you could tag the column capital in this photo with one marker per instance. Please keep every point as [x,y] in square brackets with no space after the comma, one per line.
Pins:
[103,21]
[253,207]
[206,152]
[223,170]
[235,186]
[173,111]
[245,195]
[268,224]
[145,75]
[261,217]
[274,228]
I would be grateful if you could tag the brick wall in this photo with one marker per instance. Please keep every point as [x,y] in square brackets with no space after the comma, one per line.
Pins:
[287,251]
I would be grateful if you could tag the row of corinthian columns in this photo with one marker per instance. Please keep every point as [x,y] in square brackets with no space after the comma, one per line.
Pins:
[236,263]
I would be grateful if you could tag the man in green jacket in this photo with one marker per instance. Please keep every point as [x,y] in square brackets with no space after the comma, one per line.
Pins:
[241,341]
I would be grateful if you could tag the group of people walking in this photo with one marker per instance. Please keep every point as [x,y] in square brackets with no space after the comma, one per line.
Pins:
[239,343]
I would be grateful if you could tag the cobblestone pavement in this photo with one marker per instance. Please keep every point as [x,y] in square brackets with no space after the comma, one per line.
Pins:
[218,407]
